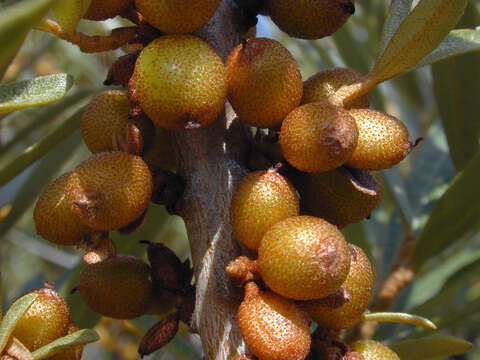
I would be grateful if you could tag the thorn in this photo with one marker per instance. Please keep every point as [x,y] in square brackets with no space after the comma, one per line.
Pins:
[348,7]
[418,141]
[74,290]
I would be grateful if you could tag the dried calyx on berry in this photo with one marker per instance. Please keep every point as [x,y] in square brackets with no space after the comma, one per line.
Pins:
[106,125]
[171,280]
[54,219]
[359,287]
[342,196]
[109,190]
[318,137]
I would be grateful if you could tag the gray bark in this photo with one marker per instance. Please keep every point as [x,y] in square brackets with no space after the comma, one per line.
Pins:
[210,162]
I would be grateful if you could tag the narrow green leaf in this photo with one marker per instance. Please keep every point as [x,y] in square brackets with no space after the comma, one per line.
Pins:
[12,316]
[35,92]
[15,22]
[458,42]
[397,12]
[456,88]
[1,296]
[456,91]
[36,151]
[80,337]
[354,53]
[444,275]
[396,187]
[430,348]
[419,34]
[397,317]
[44,117]
[456,214]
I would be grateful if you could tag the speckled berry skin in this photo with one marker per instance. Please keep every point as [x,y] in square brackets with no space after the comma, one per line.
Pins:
[264,82]
[339,197]
[106,118]
[180,82]
[46,320]
[119,287]
[309,19]
[383,140]
[177,16]
[54,220]
[303,258]
[359,285]
[102,10]
[109,190]
[318,137]
[261,199]
[272,327]
[374,350]
[324,84]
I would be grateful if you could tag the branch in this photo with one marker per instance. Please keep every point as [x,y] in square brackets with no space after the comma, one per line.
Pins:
[91,44]
[210,163]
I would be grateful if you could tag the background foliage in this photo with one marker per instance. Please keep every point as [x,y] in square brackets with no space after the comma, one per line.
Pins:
[433,194]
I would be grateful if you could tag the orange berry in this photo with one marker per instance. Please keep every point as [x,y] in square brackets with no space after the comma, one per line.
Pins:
[318,137]
[383,140]
[109,190]
[180,82]
[359,286]
[303,258]
[54,220]
[119,287]
[273,328]
[264,82]
[177,16]
[309,19]
[341,196]
[374,350]
[46,320]
[261,199]
[325,83]
[105,124]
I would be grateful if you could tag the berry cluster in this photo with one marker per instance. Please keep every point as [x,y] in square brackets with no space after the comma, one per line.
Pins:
[310,162]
